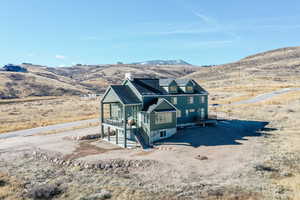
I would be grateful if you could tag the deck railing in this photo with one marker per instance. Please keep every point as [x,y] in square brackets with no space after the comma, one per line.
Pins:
[113,122]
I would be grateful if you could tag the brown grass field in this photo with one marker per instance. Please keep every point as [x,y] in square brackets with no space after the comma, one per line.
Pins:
[17,114]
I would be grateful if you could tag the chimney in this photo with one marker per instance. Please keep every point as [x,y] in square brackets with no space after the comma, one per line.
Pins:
[128,76]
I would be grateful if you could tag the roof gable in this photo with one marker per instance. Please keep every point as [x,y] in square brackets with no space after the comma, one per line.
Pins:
[121,93]
[161,105]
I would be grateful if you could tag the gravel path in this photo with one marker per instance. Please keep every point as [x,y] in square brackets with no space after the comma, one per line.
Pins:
[38,130]
[263,97]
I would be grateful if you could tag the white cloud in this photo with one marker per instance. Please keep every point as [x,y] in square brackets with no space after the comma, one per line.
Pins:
[61,57]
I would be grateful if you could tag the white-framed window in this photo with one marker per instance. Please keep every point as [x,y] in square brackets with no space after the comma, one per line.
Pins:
[178,113]
[190,100]
[188,111]
[202,112]
[202,99]
[174,100]
[189,88]
[163,117]
[173,88]
[163,133]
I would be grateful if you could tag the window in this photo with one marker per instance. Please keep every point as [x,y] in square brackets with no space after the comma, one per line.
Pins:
[163,117]
[174,100]
[202,99]
[173,88]
[202,113]
[178,113]
[190,100]
[189,88]
[163,133]
[188,111]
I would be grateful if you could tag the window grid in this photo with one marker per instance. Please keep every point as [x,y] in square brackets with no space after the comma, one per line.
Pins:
[190,100]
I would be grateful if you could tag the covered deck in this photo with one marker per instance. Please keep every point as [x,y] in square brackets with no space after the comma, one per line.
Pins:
[118,108]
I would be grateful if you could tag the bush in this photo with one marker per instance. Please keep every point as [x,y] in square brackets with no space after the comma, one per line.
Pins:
[46,191]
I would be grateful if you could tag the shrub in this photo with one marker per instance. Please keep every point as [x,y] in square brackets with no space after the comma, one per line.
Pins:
[46,191]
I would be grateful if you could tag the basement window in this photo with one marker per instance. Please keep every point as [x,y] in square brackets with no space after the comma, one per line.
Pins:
[163,133]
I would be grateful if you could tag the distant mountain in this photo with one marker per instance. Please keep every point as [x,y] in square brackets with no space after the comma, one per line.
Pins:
[162,62]
[76,80]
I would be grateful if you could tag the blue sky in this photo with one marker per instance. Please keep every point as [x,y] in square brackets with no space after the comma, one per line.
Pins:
[64,32]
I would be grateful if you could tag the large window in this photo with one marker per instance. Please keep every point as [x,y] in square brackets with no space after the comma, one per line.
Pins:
[202,99]
[178,113]
[163,117]
[173,88]
[174,100]
[188,111]
[190,100]
[202,113]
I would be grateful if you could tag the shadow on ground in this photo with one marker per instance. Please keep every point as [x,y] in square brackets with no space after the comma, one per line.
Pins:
[227,132]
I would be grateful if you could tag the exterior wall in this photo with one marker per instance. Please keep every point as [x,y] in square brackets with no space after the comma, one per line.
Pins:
[155,135]
[182,105]
[154,126]
[111,97]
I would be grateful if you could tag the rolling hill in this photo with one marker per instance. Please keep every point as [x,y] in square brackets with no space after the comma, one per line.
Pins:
[79,79]
[277,67]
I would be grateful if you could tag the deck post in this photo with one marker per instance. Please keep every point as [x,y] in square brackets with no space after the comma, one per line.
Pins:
[125,124]
[108,133]
[117,136]
[101,120]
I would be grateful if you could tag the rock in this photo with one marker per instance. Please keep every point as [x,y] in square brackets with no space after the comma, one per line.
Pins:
[102,195]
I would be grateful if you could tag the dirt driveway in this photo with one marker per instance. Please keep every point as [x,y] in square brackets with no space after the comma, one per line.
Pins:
[215,155]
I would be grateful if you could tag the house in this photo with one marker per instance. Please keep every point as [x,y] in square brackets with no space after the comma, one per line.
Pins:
[149,109]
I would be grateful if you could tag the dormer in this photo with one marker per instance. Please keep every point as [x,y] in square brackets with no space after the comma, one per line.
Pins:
[186,85]
[169,85]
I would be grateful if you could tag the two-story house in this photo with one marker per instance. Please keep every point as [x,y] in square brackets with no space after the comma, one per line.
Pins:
[149,109]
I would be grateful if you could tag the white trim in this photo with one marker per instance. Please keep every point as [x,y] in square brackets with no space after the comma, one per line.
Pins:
[165,111]
[157,95]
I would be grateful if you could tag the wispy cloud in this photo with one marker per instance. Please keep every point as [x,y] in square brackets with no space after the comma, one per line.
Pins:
[60,57]
[206,19]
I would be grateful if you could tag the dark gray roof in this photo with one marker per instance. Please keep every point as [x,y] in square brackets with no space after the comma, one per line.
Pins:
[144,88]
[182,82]
[125,94]
[165,81]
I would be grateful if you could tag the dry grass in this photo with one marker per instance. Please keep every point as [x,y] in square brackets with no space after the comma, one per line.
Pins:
[10,188]
[30,113]
[85,125]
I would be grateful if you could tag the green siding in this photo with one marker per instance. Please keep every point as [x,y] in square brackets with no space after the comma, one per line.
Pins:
[183,105]
[111,96]
[154,126]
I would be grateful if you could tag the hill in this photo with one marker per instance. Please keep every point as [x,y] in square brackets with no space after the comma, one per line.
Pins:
[163,62]
[76,80]
[278,67]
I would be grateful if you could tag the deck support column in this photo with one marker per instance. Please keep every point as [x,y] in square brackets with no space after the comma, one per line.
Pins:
[125,124]
[108,133]
[101,120]
[117,136]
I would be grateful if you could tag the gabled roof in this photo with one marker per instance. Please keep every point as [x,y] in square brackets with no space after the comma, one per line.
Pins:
[183,82]
[145,89]
[160,101]
[166,81]
[157,86]
[125,94]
